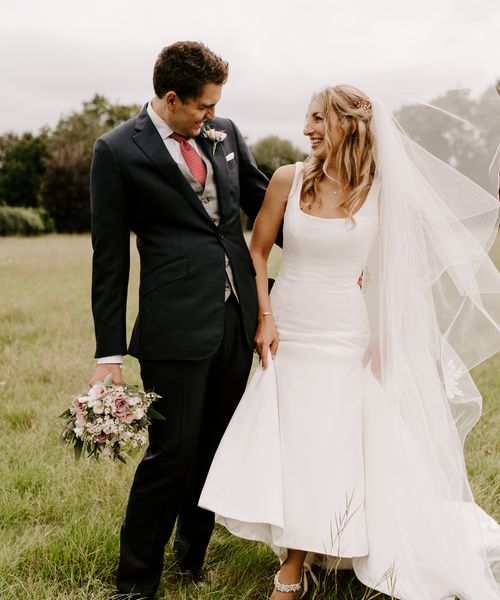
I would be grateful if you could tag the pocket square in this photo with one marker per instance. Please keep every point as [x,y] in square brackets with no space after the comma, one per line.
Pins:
[230,156]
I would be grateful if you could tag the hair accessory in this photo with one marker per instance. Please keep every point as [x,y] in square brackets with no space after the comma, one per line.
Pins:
[363,104]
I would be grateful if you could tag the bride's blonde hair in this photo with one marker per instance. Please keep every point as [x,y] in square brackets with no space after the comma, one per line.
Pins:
[354,158]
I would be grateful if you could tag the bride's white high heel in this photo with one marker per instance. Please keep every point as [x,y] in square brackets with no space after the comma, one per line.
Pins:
[295,588]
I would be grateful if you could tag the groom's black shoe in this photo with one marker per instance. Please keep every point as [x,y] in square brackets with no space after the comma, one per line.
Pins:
[132,596]
[197,578]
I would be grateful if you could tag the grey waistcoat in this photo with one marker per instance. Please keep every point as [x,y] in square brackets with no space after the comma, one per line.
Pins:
[209,199]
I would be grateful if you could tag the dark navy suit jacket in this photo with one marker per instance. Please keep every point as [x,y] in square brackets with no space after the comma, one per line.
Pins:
[137,186]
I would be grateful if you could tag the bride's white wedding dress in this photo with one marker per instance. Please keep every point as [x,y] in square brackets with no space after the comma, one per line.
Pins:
[317,457]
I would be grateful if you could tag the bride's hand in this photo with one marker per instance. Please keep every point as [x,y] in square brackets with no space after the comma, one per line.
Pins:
[266,338]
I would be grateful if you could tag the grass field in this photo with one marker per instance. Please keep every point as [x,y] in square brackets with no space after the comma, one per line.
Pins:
[59,521]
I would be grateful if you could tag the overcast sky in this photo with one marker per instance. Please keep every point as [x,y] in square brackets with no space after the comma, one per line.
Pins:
[57,53]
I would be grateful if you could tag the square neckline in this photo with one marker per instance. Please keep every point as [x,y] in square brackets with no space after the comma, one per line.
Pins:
[296,188]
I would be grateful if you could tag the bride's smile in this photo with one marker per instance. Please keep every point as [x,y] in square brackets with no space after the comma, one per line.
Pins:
[315,129]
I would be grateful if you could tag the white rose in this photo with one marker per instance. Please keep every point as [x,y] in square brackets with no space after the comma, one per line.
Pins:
[97,390]
[97,406]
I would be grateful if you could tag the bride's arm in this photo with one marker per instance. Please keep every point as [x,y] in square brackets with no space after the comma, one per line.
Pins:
[266,228]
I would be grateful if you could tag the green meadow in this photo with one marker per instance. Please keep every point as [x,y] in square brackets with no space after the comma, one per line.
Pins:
[59,520]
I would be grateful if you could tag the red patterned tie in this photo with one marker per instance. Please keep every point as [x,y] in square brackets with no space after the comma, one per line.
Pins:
[193,159]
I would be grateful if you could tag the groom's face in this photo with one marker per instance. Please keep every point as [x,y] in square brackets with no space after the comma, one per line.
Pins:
[188,117]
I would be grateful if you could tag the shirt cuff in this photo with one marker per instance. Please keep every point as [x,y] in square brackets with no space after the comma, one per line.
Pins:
[117,359]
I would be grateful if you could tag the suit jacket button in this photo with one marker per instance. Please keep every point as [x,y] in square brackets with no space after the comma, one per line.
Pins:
[221,236]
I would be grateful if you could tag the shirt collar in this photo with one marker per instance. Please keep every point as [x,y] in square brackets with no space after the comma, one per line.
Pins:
[163,128]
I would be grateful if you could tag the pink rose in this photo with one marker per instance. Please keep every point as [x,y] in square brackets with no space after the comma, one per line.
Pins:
[129,416]
[79,405]
[120,407]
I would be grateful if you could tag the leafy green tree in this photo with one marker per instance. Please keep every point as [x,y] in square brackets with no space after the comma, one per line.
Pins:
[66,185]
[273,152]
[22,164]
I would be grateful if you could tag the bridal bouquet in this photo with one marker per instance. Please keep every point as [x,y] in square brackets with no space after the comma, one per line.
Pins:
[109,420]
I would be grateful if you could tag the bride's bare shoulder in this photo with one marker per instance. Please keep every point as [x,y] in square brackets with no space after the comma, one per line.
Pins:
[284,174]
[282,179]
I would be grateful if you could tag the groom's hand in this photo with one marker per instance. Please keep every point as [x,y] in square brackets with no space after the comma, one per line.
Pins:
[102,370]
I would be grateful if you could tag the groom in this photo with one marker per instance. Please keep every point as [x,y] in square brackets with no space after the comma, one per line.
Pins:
[176,177]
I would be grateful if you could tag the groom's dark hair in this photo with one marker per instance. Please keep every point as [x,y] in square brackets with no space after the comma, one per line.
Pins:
[185,67]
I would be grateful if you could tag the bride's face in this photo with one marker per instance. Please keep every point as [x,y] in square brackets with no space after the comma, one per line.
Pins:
[315,129]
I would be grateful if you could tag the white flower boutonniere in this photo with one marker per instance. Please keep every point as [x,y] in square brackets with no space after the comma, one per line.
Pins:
[214,136]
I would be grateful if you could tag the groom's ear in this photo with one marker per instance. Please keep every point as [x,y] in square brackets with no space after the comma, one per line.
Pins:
[171,100]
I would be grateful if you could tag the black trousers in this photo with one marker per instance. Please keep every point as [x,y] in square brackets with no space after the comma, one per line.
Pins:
[198,400]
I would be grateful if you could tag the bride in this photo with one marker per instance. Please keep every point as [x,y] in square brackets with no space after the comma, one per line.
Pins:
[348,442]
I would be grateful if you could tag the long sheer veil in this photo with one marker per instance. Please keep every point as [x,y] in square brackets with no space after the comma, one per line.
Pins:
[432,296]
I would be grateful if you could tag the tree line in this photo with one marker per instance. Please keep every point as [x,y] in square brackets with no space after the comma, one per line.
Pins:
[44,178]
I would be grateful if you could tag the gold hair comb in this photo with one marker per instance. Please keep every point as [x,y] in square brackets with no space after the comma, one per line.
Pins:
[363,104]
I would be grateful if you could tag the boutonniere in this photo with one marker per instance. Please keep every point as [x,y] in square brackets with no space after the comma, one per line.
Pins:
[214,136]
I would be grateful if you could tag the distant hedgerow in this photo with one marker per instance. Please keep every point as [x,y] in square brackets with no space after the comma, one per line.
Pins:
[24,221]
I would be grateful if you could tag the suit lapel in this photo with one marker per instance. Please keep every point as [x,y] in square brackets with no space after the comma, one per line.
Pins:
[221,175]
[149,141]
